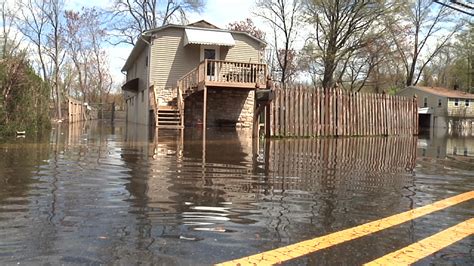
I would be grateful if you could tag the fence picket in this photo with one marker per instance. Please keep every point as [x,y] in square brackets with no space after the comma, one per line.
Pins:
[302,111]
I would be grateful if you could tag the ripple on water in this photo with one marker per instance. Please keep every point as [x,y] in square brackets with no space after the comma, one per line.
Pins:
[97,195]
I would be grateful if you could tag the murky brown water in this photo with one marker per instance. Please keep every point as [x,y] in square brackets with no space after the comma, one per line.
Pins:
[96,194]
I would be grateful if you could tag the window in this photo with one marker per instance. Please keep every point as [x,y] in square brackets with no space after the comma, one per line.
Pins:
[467,102]
[425,102]
[439,103]
[456,102]
[146,61]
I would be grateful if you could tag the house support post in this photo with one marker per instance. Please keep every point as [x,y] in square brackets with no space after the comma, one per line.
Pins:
[204,122]
[267,121]
[256,119]
[204,111]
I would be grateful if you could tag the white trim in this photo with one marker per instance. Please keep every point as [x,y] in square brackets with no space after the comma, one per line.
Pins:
[204,36]
[213,47]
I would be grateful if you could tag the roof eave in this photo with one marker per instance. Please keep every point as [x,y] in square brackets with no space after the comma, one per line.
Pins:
[139,46]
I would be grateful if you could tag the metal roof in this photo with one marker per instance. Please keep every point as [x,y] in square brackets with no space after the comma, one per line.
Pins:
[208,37]
[440,91]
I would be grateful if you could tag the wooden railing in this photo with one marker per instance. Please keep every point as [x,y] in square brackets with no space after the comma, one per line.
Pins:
[180,103]
[225,74]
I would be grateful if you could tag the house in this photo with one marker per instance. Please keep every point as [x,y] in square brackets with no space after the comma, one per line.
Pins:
[194,74]
[441,107]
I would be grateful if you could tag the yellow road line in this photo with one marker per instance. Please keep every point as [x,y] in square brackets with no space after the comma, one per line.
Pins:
[309,246]
[427,246]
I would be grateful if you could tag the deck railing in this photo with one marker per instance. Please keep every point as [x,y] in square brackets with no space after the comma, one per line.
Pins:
[225,73]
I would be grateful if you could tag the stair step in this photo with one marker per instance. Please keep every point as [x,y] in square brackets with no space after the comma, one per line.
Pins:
[170,126]
[167,108]
[169,123]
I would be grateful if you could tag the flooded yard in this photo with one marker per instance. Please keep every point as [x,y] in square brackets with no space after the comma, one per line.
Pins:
[101,194]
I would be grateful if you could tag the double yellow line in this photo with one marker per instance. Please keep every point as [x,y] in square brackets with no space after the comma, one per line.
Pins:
[407,255]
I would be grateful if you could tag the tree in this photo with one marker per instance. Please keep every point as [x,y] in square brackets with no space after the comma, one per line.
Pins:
[85,40]
[453,64]
[129,18]
[342,30]
[421,23]
[41,23]
[247,26]
[282,16]
[9,39]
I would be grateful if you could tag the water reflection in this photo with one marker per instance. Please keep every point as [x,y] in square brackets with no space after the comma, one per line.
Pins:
[99,193]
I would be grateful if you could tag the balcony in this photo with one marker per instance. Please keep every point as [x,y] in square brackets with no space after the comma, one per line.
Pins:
[225,74]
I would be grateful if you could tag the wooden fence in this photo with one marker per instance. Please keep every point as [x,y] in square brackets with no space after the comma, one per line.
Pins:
[346,163]
[76,111]
[303,112]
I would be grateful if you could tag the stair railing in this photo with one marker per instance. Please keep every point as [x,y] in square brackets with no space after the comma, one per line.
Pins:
[155,104]
[180,102]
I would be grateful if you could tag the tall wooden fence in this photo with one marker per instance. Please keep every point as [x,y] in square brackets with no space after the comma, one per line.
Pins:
[304,111]
[76,111]
[353,163]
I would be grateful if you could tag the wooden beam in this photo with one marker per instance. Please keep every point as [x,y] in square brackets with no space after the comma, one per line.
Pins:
[204,110]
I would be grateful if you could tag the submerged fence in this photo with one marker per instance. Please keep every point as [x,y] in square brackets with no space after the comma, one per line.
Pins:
[353,163]
[303,111]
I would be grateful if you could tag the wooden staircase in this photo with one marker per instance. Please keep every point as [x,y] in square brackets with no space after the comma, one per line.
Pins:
[170,116]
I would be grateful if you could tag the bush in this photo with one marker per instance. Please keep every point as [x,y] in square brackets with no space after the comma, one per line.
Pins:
[24,102]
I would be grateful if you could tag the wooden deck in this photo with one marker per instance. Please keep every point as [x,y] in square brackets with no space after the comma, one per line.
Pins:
[225,74]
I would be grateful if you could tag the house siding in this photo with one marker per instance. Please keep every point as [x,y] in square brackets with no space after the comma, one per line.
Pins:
[432,100]
[137,103]
[461,110]
[170,60]
[246,50]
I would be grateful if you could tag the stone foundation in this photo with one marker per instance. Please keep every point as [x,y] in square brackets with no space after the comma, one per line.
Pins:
[165,96]
[225,107]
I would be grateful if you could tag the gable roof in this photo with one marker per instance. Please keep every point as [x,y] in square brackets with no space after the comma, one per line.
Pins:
[144,39]
[444,92]
[203,24]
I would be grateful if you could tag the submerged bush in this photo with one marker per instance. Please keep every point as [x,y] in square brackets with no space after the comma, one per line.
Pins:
[24,99]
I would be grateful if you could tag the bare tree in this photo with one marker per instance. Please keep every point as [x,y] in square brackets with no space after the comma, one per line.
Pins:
[422,23]
[41,23]
[55,51]
[85,39]
[247,26]
[129,18]
[32,22]
[282,15]
[10,39]
[341,29]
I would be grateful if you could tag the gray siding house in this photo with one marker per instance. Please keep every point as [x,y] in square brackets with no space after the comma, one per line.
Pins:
[192,74]
[441,107]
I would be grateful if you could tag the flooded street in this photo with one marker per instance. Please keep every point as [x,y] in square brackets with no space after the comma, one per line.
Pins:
[100,194]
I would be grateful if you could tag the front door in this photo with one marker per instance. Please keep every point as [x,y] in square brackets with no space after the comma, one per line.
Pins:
[210,52]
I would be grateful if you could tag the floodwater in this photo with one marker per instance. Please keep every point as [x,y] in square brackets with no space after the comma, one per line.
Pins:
[100,194]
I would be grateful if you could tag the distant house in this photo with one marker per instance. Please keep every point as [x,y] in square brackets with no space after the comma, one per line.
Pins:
[194,74]
[441,107]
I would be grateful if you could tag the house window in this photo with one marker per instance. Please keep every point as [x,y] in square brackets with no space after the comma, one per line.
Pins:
[439,103]
[425,102]
[456,102]
[467,102]
[146,61]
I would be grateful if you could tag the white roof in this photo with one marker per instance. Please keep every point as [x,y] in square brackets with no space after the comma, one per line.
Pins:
[208,37]
[425,110]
